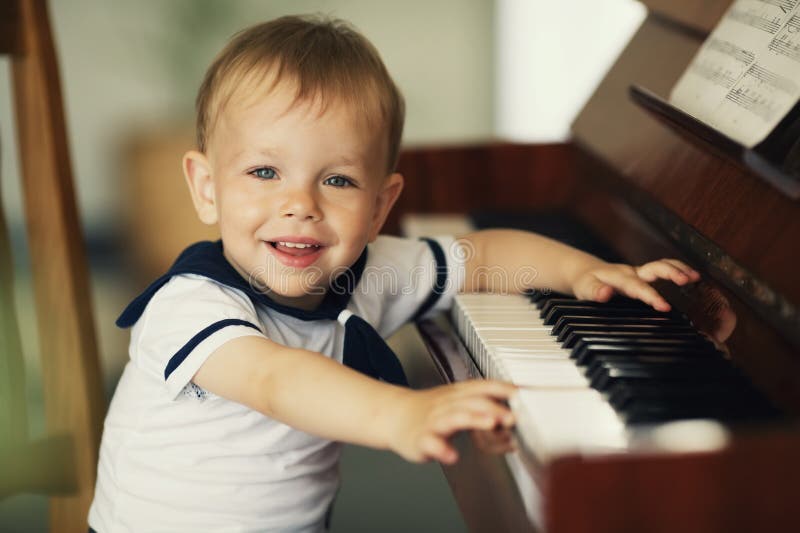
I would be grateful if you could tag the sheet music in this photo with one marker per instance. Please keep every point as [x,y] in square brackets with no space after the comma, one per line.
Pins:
[746,76]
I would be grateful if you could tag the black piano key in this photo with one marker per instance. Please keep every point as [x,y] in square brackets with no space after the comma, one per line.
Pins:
[603,374]
[574,321]
[586,354]
[736,390]
[632,342]
[618,303]
[624,392]
[540,298]
[652,366]
[669,375]
[555,313]
[645,335]
[644,329]
[602,362]
[622,395]
[675,369]
[732,395]
[653,414]
[736,406]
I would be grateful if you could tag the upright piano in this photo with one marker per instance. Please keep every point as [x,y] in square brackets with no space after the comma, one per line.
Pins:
[636,182]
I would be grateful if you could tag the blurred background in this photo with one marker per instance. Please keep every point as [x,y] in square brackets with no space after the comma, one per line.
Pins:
[471,71]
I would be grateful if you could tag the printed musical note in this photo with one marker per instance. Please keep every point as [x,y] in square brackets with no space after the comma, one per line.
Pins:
[785,5]
[730,49]
[769,25]
[725,69]
[787,42]
[756,90]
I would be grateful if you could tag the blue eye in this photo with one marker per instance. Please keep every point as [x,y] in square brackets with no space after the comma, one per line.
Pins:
[265,173]
[338,181]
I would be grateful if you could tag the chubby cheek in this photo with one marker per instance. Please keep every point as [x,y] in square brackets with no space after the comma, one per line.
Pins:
[356,224]
[242,212]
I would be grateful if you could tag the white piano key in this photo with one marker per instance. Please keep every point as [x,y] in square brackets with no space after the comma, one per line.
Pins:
[520,348]
[556,422]
[544,373]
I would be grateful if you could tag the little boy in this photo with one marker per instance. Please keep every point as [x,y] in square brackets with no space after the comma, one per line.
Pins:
[228,416]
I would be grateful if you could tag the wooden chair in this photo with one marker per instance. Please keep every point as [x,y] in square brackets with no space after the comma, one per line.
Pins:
[63,463]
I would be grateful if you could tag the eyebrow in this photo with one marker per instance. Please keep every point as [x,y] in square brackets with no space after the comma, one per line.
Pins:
[346,161]
[263,151]
[267,152]
[273,154]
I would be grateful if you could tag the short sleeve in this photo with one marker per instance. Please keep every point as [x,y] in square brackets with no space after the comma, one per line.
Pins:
[413,278]
[184,323]
[447,275]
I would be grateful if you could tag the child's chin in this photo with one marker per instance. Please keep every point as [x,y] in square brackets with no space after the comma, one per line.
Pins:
[294,289]
[302,292]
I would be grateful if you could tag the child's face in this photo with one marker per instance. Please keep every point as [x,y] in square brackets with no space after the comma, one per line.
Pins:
[277,174]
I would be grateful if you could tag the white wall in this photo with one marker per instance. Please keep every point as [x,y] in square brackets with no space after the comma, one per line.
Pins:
[550,55]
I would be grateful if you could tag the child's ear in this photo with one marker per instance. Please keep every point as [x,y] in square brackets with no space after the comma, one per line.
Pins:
[197,171]
[387,196]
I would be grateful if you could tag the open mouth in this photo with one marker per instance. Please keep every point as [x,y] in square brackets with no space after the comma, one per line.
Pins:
[296,249]
[296,254]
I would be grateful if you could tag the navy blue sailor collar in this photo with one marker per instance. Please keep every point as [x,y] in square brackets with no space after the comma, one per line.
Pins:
[364,349]
[206,258]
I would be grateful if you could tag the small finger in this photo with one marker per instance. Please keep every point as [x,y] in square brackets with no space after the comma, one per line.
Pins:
[498,435]
[439,449]
[479,405]
[636,288]
[493,441]
[649,295]
[486,387]
[498,411]
[664,270]
[603,293]
[595,290]
[693,274]
[460,417]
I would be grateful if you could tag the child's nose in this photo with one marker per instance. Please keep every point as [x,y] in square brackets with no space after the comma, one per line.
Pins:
[302,205]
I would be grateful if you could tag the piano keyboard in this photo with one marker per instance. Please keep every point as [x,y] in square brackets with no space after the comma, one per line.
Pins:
[593,376]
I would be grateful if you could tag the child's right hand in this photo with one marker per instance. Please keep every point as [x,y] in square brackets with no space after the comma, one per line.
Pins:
[425,420]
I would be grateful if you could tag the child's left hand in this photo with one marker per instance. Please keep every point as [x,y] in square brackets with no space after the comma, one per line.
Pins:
[600,282]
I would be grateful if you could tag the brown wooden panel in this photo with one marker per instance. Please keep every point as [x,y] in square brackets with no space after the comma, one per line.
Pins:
[748,486]
[74,402]
[465,178]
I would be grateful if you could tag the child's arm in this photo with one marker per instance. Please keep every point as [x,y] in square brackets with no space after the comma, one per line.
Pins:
[508,257]
[315,394]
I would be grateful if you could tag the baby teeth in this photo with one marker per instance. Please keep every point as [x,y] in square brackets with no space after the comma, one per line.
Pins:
[297,245]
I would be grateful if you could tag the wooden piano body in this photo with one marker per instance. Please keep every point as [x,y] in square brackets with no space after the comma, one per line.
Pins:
[650,189]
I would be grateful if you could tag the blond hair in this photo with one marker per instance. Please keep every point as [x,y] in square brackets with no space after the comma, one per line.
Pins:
[327,59]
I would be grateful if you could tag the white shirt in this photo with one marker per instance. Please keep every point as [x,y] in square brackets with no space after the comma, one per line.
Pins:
[177,458]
